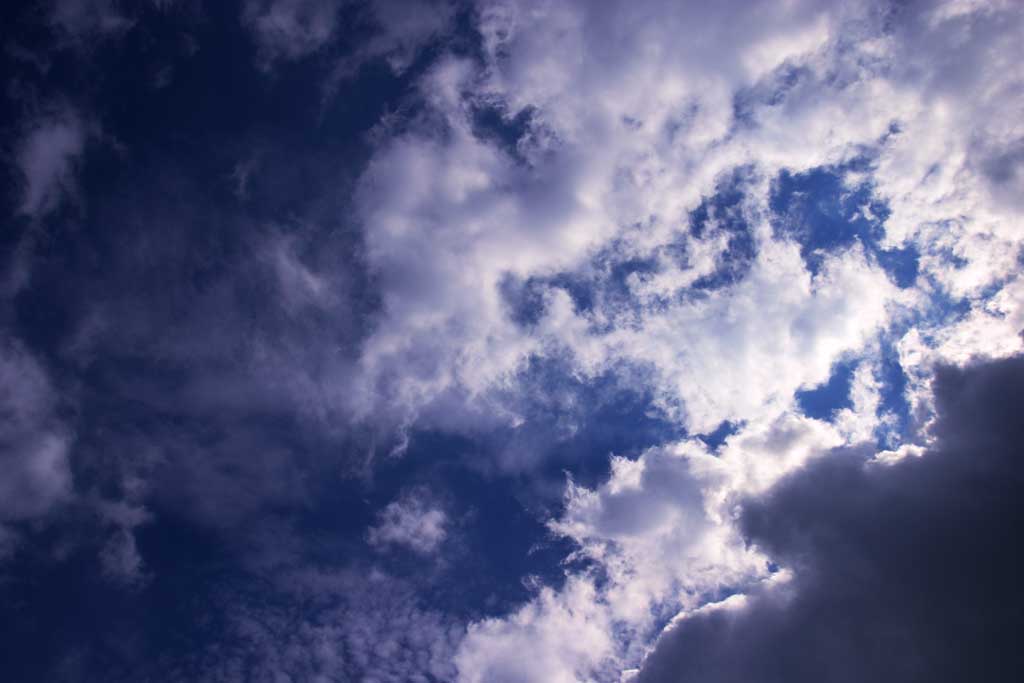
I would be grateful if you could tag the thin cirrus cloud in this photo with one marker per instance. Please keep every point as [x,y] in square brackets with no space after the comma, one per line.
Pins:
[397,340]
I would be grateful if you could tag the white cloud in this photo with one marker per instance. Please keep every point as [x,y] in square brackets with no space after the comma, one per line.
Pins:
[447,219]
[656,529]
[661,532]
[647,128]
[410,521]
[742,352]
[859,422]
[634,117]
[558,637]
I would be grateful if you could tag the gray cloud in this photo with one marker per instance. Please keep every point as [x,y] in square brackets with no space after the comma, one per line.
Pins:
[86,19]
[33,441]
[46,157]
[290,29]
[906,571]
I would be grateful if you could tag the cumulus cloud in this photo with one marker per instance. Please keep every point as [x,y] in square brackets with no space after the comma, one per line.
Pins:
[658,536]
[625,129]
[606,163]
[567,634]
[901,570]
[483,214]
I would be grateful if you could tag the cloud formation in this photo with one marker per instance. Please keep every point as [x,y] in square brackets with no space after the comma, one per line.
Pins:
[603,163]
[899,571]
[650,339]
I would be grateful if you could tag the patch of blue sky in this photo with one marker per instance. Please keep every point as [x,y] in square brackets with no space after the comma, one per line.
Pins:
[823,213]
[581,421]
[714,439]
[893,398]
[603,282]
[822,401]
[769,92]
[493,123]
[940,311]
[498,535]
[72,606]
[723,211]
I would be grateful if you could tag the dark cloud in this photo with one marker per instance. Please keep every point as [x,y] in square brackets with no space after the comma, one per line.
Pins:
[902,572]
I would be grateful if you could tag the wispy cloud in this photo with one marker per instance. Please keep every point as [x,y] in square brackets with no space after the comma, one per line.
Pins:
[47,157]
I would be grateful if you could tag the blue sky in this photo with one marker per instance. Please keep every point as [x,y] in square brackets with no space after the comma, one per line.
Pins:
[496,341]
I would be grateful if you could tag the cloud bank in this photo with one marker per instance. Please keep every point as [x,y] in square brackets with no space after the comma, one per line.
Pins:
[511,341]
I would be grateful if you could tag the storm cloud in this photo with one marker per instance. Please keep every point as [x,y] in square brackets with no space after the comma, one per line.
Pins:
[904,570]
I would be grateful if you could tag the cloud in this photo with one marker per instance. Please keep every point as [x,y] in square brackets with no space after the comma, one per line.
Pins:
[903,570]
[81,20]
[411,522]
[659,535]
[406,26]
[450,218]
[579,196]
[567,635]
[399,31]
[119,556]
[333,626]
[743,352]
[33,440]
[613,127]
[290,29]
[453,211]
[47,156]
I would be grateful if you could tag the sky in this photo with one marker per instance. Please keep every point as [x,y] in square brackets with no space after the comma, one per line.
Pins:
[511,341]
